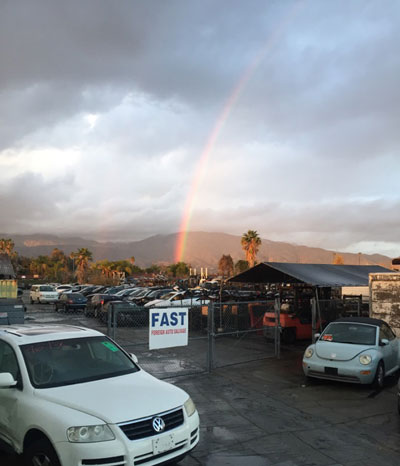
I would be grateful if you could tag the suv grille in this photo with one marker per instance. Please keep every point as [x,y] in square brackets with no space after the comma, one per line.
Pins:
[143,428]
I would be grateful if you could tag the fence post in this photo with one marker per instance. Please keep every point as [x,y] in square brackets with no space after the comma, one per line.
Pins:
[313,318]
[114,322]
[109,323]
[211,337]
[277,308]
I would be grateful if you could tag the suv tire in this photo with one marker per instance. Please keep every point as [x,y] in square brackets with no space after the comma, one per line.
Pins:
[41,453]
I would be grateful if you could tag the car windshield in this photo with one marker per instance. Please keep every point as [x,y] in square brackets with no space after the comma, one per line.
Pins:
[71,361]
[356,334]
[46,288]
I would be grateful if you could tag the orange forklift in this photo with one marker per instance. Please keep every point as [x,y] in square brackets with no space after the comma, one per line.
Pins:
[295,313]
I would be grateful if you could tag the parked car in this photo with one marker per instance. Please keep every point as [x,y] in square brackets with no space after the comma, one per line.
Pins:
[178,298]
[63,289]
[126,292]
[127,313]
[91,289]
[95,304]
[354,349]
[83,400]
[71,301]
[152,295]
[43,294]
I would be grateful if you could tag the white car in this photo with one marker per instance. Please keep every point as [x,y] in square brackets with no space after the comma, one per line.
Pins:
[43,294]
[177,298]
[71,396]
[64,289]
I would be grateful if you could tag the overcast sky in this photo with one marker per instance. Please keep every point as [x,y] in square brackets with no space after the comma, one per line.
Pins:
[107,106]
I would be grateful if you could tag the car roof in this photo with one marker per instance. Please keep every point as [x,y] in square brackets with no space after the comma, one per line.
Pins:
[34,333]
[361,320]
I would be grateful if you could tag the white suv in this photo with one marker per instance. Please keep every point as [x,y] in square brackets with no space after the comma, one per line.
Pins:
[43,294]
[71,396]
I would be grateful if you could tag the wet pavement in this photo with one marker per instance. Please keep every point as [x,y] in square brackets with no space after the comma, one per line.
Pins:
[265,413]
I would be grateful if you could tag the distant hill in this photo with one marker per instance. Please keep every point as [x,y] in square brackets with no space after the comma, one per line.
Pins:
[202,250]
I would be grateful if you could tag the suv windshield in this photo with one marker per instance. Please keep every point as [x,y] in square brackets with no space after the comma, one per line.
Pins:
[71,361]
[356,334]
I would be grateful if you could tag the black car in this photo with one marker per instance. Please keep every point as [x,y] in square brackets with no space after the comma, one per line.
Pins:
[127,313]
[71,301]
[95,305]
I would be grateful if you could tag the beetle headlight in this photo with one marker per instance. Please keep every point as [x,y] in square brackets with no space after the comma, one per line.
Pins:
[89,434]
[308,353]
[365,359]
[190,407]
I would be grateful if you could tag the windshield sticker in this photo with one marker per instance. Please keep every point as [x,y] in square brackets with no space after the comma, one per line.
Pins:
[327,337]
[109,345]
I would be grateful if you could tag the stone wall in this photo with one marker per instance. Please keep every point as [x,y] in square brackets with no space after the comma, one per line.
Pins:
[384,290]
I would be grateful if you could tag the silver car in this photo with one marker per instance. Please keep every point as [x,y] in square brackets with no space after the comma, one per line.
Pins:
[355,349]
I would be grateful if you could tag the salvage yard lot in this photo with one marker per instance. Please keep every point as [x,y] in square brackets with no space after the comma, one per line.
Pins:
[265,413]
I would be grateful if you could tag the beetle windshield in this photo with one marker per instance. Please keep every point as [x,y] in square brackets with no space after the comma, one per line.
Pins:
[65,362]
[356,334]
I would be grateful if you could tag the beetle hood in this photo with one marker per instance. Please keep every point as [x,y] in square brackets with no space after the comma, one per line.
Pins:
[339,351]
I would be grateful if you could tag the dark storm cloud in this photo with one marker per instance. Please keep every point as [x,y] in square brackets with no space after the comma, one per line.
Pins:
[312,82]
[138,86]
[28,203]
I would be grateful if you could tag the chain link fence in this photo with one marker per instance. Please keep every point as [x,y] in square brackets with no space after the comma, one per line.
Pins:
[220,334]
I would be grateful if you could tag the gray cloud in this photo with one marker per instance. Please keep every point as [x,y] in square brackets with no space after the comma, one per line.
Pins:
[136,88]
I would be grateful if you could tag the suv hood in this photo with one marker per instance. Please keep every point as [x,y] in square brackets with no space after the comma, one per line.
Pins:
[339,351]
[118,399]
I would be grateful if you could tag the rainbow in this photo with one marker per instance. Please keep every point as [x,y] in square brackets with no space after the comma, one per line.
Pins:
[201,167]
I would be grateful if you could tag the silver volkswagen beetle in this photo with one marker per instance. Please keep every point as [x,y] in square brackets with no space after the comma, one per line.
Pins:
[354,349]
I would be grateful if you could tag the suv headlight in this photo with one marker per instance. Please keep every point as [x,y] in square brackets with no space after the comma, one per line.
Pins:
[308,353]
[89,434]
[365,359]
[190,407]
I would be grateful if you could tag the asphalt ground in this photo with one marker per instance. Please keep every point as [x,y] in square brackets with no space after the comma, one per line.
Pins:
[265,413]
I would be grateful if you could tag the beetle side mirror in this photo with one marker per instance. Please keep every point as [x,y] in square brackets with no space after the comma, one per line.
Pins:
[7,380]
[316,336]
[383,342]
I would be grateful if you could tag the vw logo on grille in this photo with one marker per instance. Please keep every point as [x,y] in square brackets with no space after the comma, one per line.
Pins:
[158,424]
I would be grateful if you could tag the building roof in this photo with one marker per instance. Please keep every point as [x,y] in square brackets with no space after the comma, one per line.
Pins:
[321,275]
[6,268]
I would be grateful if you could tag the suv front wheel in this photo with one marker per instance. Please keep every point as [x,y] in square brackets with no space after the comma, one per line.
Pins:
[41,453]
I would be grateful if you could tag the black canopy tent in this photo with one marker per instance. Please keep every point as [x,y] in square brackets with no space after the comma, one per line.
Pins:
[317,275]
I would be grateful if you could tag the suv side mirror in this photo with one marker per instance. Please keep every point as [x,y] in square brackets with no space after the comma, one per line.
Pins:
[134,358]
[7,380]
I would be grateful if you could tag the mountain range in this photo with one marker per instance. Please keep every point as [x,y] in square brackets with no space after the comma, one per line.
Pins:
[202,250]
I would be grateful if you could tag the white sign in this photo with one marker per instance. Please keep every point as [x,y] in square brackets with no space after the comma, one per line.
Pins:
[168,327]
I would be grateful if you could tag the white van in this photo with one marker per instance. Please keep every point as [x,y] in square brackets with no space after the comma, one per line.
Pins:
[43,294]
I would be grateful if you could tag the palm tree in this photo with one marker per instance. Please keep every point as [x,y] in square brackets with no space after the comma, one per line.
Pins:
[82,259]
[251,243]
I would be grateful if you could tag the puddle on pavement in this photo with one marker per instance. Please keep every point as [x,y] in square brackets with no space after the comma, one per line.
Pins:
[239,460]
[221,433]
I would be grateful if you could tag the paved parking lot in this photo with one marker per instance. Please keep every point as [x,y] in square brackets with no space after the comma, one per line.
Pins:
[264,413]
